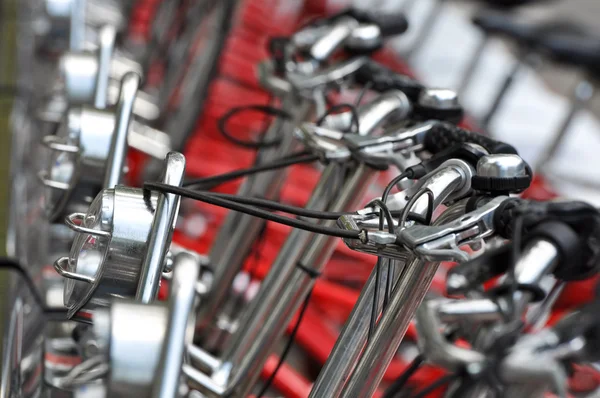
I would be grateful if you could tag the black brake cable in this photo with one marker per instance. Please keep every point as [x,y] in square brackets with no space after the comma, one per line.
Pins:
[384,213]
[384,197]
[288,345]
[383,210]
[363,92]
[267,109]
[253,211]
[354,122]
[277,206]
[290,160]
[442,381]
[397,385]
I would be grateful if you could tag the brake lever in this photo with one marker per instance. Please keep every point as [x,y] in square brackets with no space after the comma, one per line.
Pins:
[331,144]
[326,76]
[450,181]
[442,243]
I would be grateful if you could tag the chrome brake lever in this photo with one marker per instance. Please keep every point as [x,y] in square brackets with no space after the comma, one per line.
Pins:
[326,76]
[330,143]
[450,181]
[439,243]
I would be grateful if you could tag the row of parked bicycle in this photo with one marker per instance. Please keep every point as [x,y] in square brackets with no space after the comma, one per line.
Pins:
[259,198]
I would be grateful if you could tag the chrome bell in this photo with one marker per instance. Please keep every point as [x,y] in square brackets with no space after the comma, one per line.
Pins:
[121,245]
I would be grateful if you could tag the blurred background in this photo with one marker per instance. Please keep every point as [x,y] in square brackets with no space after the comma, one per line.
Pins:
[534,107]
[526,74]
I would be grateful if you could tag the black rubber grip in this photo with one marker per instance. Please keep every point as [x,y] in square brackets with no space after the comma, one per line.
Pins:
[383,79]
[390,24]
[422,113]
[444,135]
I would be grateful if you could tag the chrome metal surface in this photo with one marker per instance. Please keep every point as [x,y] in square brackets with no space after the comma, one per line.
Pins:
[406,297]
[163,224]
[365,37]
[77,25]
[79,71]
[305,38]
[449,181]
[538,259]
[106,38]
[433,343]
[331,40]
[134,361]
[148,140]
[118,144]
[179,326]
[443,242]
[439,98]
[389,107]
[528,363]
[113,262]
[238,231]
[326,76]
[481,310]
[348,346]
[269,80]
[501,165]
[248,358]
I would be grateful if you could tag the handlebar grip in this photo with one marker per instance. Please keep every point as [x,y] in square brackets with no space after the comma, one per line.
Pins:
[443,135]
[424,113]
[389,24]
[383,79]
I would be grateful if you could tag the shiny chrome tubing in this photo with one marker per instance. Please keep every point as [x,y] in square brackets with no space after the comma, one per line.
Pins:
[118,144]
[179,326]
[539,258]
[239,231]
[286,286]
[347,350]
[433,343]
[350,360]
[248,359]
[479,310]
[162,226]
[379,351]
[77,25]
[106,48]
[331,40]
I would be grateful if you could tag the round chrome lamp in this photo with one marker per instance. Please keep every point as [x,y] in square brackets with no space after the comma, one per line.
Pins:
[80,152]
[121,245]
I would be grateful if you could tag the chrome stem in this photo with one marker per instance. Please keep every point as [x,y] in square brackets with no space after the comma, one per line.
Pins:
[161,231]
